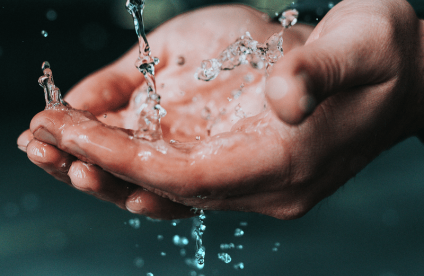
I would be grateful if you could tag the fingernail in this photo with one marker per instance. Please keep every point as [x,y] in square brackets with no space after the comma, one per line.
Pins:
[45,136]
[22,148]
[276,88]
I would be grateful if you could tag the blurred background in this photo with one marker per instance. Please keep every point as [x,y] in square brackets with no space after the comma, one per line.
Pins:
[373,225]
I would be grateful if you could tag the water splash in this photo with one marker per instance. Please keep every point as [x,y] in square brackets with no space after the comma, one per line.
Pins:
[150,112]
[198,231]
[246,50]
[51,91]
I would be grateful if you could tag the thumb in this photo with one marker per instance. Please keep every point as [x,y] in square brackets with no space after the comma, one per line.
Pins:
[311,73]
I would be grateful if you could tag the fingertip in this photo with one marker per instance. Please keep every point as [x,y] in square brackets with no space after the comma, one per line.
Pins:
[146,203]
[24,139]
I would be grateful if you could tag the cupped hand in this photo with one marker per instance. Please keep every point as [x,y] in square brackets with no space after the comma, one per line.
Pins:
[258,163]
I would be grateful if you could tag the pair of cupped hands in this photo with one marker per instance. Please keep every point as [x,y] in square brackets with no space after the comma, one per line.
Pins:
[345,91]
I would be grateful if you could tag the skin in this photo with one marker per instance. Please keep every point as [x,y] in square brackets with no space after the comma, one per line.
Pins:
[345,91]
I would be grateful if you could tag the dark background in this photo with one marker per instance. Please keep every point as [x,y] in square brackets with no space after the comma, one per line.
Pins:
[372,226]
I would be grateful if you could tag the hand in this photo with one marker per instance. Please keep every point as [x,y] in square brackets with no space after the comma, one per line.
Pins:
[260,164]
[124,176]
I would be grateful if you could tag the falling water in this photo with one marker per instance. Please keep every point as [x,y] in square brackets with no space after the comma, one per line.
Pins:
[150,112]
[51,91]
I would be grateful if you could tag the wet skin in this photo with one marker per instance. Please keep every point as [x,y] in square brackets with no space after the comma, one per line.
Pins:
[353,90]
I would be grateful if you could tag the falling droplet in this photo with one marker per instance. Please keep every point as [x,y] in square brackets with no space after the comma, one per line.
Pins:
[289,18]
[198,138]
[105,116]
[160,237]
[134,223]
[224,257]
[243,223]
[238,232]
[180,241]
[163,254]
[139,262]
[44,33]
[239,266]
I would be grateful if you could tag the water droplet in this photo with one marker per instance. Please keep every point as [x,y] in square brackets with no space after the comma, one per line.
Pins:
[183,252]
[134,223]
[224,257]
[197,138]
[330,5]
[240,246]
[275,249]
[163,254]
[44,33]
[209,70]
[229,99]
[51,15]
[181,60]
[277,244]
[238,232]
[289,18]
[105,116]
[239,112]
[225,246]
[138,262]
[175,222]
[180,241]
[149,274]
[239,266]
[249,78]
[243,223]
[160,237]
[206,113]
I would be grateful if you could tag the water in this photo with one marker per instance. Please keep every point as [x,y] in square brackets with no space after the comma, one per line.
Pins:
[52,93]
[239,266]
[225,257]
[150,111]
[228,246]
[238,232]
[139,262]
[135,223]
[44,33]
[246,50]
[198,231]
[180,241]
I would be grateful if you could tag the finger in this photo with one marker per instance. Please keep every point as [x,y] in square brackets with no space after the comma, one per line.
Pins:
[95,181]
[205,170]
[24,139]
[337,57]
[54,161]
[111,87]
